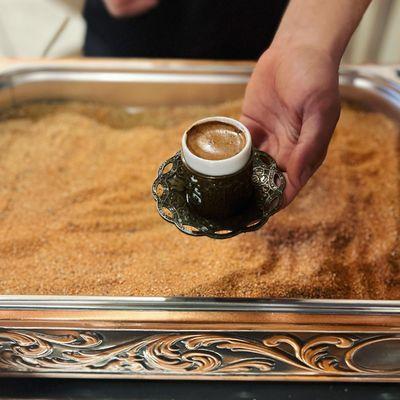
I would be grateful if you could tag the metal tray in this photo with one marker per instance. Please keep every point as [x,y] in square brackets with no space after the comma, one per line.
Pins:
[200,338]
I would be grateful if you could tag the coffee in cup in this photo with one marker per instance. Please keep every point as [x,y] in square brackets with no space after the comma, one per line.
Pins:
[215,140]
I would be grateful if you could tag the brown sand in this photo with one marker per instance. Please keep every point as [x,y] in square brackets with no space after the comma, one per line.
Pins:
[77,217]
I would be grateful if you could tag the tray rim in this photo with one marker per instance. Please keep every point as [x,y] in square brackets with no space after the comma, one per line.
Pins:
[150,303]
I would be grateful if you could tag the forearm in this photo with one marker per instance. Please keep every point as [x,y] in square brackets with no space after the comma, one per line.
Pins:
[326,25]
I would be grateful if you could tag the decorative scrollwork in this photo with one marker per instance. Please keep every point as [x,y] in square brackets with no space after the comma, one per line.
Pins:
[186,354]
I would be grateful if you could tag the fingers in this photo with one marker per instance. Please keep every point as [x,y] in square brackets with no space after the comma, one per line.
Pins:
[265,142]
[298,155]
[311,149]
[129,8]
[290,192]
[261,141]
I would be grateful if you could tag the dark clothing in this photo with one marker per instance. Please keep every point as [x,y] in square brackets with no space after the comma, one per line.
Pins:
[203,29]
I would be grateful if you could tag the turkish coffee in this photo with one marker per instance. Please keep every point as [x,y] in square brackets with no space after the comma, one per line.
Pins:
[215,140]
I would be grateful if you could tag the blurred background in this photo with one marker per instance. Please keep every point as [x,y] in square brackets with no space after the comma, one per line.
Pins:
[55,28]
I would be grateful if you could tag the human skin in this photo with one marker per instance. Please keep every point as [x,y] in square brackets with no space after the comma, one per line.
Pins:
[292,103]
[129,8]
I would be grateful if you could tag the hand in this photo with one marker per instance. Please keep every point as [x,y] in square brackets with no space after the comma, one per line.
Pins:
[291,108]
[129,8]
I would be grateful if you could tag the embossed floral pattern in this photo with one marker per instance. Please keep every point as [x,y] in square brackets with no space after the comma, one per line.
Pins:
[188,353]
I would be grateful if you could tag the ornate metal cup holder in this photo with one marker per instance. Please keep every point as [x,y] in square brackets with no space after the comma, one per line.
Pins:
[169,191]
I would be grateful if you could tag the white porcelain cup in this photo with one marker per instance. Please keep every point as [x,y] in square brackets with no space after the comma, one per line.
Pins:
[227,166]
[218,188]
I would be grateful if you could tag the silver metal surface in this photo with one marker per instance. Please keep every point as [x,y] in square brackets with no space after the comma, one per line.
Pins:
[351,307]
[186,338]
[372,92]
[141,86]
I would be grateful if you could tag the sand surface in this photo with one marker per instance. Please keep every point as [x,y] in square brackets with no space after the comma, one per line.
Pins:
[77,217]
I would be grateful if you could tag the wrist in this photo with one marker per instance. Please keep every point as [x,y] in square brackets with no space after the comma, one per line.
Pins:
[287,43]
[324,26]
[288,49]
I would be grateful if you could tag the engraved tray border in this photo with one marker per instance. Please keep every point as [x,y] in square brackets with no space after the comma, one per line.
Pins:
[183,338]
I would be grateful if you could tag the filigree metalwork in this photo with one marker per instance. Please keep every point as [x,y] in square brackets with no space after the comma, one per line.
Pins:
[169,191]
[179,354]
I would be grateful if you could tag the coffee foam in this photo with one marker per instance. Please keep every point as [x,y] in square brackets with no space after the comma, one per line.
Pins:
[215,140]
